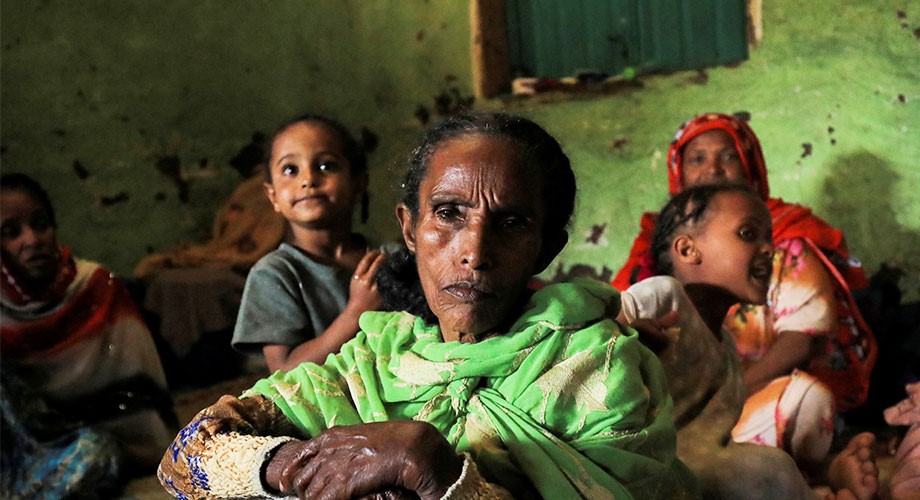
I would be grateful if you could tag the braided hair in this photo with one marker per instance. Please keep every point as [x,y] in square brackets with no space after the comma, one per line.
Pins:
[686,209]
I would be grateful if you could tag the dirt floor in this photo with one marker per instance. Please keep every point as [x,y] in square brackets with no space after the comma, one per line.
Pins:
[188,402]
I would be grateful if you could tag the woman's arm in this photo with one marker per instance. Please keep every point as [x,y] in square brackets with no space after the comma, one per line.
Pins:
[357,460]
[246,448]
[221,452]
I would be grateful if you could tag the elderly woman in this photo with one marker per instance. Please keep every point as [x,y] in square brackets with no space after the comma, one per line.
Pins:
[807,350]
[478,388]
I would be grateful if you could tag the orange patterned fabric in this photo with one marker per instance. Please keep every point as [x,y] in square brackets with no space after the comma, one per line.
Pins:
[796,403]
[101,302]
[805,297]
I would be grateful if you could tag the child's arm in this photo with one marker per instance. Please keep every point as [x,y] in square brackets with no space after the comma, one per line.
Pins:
[362,296]
[790,350]
[653,307]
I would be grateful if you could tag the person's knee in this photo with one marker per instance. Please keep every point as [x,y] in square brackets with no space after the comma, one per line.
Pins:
[809,434]
[748,471]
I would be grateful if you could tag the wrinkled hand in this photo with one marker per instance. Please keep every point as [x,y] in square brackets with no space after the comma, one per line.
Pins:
[360,460]
[362,292]
[907,412]
[654,332]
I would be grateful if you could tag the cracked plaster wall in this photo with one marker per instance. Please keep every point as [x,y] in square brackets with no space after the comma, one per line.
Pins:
[129,113]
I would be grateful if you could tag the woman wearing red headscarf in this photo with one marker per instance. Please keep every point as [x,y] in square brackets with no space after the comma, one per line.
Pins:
[809,338]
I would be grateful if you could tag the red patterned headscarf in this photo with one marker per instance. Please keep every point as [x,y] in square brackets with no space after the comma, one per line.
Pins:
[14,292]
[746,145]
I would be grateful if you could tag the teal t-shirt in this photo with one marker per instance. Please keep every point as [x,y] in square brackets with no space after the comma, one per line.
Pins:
[289,299]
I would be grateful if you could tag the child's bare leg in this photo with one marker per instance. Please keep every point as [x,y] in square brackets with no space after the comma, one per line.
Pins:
[853,473]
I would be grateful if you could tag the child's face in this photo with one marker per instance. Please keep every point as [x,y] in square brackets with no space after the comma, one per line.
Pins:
[28,239]
[735,246]
[711,158]
[311,181]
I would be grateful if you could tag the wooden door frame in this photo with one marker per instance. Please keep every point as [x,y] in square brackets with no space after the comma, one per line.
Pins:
[489,40]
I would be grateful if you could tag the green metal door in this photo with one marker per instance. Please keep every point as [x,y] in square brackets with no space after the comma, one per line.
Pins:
[557,38]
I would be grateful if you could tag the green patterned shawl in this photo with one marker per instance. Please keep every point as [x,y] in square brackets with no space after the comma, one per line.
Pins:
[568,401]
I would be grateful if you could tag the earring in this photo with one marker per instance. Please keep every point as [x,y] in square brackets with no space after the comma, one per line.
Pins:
[697,256]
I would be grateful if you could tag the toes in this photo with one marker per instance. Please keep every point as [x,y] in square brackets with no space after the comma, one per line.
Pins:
[865,439]
[869,468]
[845,494]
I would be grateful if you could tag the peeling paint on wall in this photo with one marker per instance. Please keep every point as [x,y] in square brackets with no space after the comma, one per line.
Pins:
[563,274]
[170,166]
[116,88]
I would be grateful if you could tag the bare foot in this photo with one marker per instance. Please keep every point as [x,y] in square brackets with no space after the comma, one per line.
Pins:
[905,480]
[824,493]
[853,473]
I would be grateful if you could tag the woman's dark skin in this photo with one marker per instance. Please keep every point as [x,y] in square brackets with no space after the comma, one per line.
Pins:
[478,237]
[359,460]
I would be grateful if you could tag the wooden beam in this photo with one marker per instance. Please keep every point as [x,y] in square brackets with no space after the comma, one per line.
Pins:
[491,68]
[755,23]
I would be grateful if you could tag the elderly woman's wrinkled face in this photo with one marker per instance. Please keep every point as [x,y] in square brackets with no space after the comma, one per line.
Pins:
[478,234]
[28,238]
[711,158]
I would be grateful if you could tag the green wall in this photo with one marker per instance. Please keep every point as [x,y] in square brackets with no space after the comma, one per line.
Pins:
[122,87]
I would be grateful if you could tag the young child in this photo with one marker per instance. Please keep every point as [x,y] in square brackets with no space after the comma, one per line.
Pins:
[302,301]
[715,243]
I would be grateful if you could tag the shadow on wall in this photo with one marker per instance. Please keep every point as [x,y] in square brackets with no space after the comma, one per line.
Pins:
[857,196]
[859,192]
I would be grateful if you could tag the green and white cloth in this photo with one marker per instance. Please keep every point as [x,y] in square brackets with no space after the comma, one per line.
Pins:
[567,402]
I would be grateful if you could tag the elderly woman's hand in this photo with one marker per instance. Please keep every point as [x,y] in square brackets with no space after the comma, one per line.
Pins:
[360,460]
